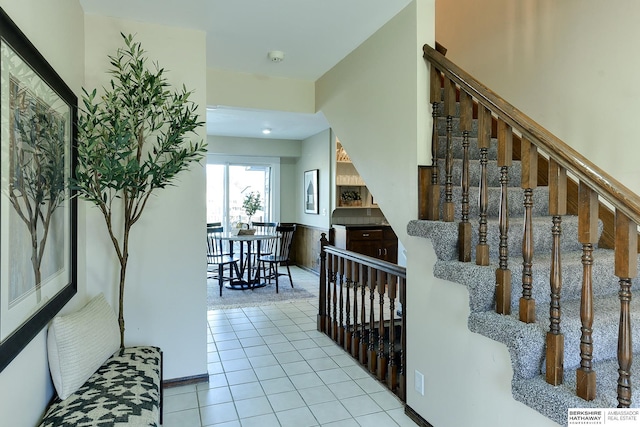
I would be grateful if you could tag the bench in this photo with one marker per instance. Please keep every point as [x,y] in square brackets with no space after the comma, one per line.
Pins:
[124,390]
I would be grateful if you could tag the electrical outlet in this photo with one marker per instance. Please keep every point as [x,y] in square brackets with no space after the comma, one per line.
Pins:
[419,382]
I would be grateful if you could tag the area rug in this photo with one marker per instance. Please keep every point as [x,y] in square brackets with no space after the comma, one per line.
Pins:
[305,287]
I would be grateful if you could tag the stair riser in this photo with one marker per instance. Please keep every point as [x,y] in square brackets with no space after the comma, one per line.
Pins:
[457,150]
[493,173]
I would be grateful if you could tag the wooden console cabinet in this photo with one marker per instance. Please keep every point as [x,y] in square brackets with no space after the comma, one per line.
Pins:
[378,241]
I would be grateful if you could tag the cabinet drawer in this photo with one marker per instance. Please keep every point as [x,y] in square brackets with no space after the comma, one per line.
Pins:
[365,234]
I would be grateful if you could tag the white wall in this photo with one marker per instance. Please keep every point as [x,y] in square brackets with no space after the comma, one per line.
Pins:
[467,377]
[372,101]
[316,154]
[570,65]
[56,28]
[165,296]
[231,88]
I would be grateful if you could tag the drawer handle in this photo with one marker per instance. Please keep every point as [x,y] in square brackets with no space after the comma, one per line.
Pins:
[365,234]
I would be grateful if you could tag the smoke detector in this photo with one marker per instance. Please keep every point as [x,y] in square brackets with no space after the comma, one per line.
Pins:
[276,55]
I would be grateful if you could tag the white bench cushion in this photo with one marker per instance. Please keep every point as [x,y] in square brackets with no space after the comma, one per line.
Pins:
[79,343]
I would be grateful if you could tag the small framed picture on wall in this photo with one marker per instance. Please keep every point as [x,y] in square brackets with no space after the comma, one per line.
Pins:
[310,195]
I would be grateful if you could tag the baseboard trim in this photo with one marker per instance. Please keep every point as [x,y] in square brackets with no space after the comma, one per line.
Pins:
[409,412]
[177,382]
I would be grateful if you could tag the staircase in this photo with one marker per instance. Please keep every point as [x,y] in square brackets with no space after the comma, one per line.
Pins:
[537,278]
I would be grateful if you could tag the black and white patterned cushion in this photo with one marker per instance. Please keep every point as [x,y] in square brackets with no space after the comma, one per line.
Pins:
[124,391]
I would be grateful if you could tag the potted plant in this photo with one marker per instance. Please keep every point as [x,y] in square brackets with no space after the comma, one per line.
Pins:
[132,142]
[251,204]
[350,198]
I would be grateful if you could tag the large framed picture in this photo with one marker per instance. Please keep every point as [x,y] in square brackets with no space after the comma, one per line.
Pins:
[311,192]
[38,245]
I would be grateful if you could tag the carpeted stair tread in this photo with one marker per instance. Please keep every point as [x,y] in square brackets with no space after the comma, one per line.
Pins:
[526,342]
[446,234]
[553,401]
[455,126]
[515,198]
[480,280]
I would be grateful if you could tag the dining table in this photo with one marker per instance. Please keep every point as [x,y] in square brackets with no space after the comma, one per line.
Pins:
[246,241]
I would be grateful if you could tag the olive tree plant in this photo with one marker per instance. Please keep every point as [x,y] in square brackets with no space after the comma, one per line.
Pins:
[132,141]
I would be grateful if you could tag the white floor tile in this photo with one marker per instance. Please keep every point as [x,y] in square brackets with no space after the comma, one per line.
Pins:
[360,405]
[188,418]
[268,420]
[299,417]
[215,414]
[253,407]
[246,391]
[285,401]
[329,412]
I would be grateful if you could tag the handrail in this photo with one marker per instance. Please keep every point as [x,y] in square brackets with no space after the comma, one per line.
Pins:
[604,184]
[387,267]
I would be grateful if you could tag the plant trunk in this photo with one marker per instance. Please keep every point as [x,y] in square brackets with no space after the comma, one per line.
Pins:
[123,273]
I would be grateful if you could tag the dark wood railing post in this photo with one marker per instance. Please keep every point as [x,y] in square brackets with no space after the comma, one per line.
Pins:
[340,279]
[434,196]
[503,274]
[449,111]
[381,366]
[353,336]
[528,182]
[587,235]
[464,228]
[484,141]
[333,272]
[322,297]
[626,268]
[365,333]
[557,208]
[371,357]
[402,379]
[392,371]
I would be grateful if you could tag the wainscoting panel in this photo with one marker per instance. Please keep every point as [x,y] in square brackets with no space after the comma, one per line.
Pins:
[306,247]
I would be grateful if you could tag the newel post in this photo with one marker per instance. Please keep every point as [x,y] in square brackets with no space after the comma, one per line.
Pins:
[322,306]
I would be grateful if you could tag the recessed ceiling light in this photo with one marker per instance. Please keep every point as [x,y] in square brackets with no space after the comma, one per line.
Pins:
[266,131]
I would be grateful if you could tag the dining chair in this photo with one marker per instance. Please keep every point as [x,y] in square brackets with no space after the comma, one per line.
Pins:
[281,253]
[266,246]
[219,259]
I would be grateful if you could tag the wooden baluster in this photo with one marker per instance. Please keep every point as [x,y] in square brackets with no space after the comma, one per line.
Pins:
[557,208]
[341,274]
[503,274]
[372,321]
[484,141]
[365,336]
[626,268]
[449,111]
[329,327]
[382,359]
[402,380]
[392,368]
[464,227]
[588,236]
[355,340]
[334,327]
[347,324]
[528,182]
[322,304]
[433,212]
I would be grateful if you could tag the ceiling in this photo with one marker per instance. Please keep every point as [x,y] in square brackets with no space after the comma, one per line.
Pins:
[313,34]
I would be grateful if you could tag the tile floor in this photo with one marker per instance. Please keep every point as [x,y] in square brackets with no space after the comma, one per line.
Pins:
[269,366]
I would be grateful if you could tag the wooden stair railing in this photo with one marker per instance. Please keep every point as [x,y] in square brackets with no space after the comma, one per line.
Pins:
[362,308]
[594,185]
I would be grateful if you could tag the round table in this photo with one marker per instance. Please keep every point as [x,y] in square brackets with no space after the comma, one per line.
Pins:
[246,240]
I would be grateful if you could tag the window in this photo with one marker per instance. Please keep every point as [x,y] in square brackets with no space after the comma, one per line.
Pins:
[228,183]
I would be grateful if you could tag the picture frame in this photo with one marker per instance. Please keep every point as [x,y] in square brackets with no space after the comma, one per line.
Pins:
[310,192]
[38,210]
